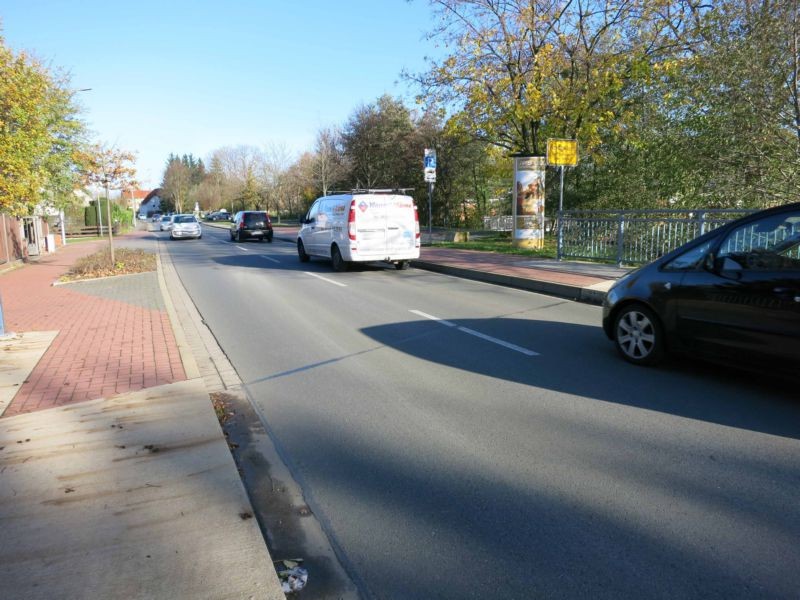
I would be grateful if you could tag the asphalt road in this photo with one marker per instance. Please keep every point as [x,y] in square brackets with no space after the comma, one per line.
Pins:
[461,440]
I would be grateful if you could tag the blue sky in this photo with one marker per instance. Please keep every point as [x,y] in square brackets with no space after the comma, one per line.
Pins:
[189,77]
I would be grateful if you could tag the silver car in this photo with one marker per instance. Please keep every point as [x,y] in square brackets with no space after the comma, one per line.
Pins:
[166,223]
[185,226]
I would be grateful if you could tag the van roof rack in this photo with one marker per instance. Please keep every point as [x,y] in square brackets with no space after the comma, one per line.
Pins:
[371,191]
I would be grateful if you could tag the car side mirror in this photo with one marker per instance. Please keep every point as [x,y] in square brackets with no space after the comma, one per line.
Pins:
[728,268]
[710,262]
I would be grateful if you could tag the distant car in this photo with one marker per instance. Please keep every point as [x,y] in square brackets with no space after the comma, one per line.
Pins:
[217,216]
[185,226]
[156,217]
[251,224]
[731,295]
[166,223]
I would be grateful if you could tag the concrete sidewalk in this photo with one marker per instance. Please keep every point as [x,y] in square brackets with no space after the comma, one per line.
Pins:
[131,497]
[115,478]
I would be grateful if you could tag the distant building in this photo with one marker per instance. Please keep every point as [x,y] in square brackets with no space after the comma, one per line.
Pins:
[134,197]
[151,203]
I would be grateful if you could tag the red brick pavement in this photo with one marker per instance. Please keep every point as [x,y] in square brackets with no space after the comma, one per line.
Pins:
[104,347]
[504,264]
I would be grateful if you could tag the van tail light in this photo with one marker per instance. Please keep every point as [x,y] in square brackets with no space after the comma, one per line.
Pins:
[416,226]
[351,221]
[241,224]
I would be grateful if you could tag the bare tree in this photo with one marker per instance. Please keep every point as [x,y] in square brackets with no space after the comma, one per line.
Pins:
[329,166]
[276,160]
[241,167]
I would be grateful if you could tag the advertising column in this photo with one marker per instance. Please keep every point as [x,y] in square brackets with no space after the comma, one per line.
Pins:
[528,205]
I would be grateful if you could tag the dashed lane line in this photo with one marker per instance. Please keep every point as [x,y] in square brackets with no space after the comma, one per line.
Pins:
[477,334]
[326,279]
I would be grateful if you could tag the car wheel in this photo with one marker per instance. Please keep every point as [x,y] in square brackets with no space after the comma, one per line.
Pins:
[401,265]
[200,237]
[239,237]
[339,264]
[269,238]
[301,252]
[231,236]
[638,335]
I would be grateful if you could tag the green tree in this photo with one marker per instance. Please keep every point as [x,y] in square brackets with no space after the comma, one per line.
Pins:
[718,126]
[40,133]
[380,146]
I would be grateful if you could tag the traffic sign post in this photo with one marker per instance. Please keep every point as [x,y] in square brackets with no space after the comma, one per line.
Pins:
[561,153]
[429,171]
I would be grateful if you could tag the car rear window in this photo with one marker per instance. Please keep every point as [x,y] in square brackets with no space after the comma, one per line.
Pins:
[255,219]
[185,219]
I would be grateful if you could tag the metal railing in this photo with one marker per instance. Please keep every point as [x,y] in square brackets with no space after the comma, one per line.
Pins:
[501,223]
[633,237]
[506,223]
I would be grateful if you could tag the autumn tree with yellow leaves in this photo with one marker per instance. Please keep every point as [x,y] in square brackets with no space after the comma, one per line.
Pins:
[40,133]
[517,72]
[673,102]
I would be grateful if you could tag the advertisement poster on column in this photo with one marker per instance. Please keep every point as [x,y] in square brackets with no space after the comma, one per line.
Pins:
[529,177]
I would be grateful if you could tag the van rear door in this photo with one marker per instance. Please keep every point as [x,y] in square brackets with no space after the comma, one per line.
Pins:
[385,225]
[371,219]
[400,225]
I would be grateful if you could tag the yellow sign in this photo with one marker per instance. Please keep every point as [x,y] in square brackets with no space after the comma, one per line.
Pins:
[562,153]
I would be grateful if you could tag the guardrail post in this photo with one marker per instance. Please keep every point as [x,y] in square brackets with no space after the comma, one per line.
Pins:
[620,237]
[702,218]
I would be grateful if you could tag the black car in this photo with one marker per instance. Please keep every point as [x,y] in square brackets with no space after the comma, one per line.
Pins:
[731,295]
[251,224]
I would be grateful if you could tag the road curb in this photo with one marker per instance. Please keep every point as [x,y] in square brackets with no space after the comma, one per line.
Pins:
[190,367]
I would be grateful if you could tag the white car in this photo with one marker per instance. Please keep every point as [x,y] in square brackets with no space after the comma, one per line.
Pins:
[349,228]
[185,226]
[165,224]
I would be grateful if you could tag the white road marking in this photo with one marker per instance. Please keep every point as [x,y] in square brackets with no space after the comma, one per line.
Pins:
[245,249]
[269,258]
[432,318]
[477,334]
[326,279]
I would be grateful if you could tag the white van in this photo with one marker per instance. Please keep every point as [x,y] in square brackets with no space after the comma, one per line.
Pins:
[373,226]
